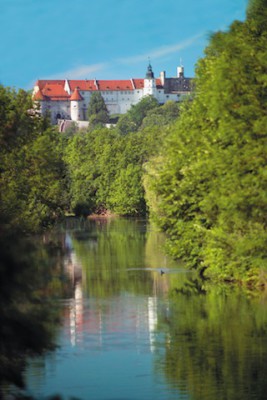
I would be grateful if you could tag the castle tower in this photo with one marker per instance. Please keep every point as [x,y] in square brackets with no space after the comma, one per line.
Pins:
[180,71]
[75,105]
[149,82]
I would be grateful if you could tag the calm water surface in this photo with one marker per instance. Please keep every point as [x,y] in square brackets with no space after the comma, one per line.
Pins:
[128,331]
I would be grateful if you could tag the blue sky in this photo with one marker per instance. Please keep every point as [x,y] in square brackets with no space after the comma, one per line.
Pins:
[106,39]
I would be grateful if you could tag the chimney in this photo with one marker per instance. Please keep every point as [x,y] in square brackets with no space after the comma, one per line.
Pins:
[162,77]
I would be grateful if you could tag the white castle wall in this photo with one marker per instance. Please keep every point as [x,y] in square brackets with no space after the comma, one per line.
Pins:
[75,110]
[117,102]
[57,109]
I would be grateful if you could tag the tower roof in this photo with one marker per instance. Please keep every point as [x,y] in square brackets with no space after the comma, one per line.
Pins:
[149,72]
[76,95]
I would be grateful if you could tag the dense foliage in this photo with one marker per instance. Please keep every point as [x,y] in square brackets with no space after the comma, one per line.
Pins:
[31,169]
[132,120]
[105,166]
[208,187]
[44,174]
[97,110]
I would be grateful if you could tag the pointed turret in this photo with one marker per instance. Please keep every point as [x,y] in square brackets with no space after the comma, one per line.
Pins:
[149,72]
[149,82]
[76,95]
[75,105]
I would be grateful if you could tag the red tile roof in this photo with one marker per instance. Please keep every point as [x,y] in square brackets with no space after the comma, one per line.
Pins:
[138,83]
[82,84]
[39,96]
[54,89]
[115,85]
[76,95]
[112,85]
[42,83]
[159,84]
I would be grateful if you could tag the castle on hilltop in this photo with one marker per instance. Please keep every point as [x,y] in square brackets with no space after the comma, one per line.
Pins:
[69,99]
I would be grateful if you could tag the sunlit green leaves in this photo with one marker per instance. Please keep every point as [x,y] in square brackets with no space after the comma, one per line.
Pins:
[209,187]
[32,183]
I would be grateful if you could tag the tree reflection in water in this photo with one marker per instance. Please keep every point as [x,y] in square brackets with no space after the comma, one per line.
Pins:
[217,344]
[29,275]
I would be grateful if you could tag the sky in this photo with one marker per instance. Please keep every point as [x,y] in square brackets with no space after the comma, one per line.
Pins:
[106,39]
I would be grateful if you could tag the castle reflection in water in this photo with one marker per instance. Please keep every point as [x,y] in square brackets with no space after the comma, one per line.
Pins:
[97,323]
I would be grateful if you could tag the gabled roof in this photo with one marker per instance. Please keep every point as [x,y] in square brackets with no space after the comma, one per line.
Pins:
[159,84]
[55,91]
[41,83]
[115,85]
[103,85]
[39,96]
[139,83]
[83,85]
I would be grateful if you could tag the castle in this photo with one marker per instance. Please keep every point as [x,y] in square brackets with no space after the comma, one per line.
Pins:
[69,99]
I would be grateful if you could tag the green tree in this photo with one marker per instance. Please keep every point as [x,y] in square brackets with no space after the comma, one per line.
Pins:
[32,185]
[162,116]
[132,120]
[97,110]
[208,186]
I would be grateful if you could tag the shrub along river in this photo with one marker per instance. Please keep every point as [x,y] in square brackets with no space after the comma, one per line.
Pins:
[96,310]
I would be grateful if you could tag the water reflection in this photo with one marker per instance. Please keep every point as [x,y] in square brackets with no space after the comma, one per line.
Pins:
[104,262]
[130,332]
[217,345]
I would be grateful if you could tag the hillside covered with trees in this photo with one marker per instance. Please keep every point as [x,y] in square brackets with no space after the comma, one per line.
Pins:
[45,174]
[105,166]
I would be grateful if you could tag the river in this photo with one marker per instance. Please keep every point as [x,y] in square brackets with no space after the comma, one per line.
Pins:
[128,323]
